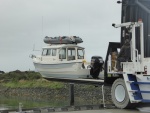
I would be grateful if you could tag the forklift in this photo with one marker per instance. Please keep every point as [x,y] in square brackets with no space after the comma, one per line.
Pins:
[131,85]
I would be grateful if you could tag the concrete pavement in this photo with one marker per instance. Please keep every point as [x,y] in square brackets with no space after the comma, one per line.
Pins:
[108,111]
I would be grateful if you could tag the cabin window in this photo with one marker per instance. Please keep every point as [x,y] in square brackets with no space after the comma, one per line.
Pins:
[44,52]
[71,53]
[53,52]
[62,53]
[49,52]
[80,54]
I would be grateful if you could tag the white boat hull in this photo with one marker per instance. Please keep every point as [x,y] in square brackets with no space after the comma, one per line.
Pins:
[62,70]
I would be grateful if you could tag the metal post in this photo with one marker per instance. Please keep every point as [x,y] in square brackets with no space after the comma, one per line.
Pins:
[142,46]
[71,91]
[103,96]
[133,44]
[20,107]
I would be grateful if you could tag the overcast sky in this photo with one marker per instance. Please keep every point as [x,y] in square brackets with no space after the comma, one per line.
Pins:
[24,23]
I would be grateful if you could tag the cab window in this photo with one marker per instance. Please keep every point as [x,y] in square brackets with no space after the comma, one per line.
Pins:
[80,54]
[62,53]
[71,53]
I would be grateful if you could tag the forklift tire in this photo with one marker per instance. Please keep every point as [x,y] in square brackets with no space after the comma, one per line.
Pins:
[120,95]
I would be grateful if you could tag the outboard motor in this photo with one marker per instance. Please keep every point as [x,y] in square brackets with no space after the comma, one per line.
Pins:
[96,66]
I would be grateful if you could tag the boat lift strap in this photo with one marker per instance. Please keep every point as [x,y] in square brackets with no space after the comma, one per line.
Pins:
[82,81]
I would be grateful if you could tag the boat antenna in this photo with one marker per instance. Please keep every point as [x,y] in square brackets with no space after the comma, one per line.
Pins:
[42,30]
[34,48]
[69,26]
[42,26]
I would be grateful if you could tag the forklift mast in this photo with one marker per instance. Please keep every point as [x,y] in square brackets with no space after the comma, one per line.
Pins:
[131,11]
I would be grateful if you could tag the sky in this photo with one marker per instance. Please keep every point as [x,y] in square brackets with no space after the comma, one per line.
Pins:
[25,23]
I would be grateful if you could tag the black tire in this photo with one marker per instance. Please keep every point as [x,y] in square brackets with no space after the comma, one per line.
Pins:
[119,88]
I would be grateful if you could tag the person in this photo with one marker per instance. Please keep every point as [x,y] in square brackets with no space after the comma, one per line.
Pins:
[96,68]
[124,55]
[114,55]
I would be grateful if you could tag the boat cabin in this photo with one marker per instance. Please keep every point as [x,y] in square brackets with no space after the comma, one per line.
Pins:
[62,58]
[64,52]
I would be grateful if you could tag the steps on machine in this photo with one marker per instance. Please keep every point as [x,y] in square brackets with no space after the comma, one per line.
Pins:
[145,100]
[135,90]
[133,82]
[142,100]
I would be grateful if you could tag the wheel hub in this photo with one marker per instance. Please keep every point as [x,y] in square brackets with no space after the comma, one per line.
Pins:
[120,93]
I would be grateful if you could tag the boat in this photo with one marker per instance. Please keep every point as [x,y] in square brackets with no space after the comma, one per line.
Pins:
[62,58]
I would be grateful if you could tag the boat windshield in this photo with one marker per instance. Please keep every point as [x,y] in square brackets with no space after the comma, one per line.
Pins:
[71,53]
[44,52]
[62,53]
[80,54]
[49,52]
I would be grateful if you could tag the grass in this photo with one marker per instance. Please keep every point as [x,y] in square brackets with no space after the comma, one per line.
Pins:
[33,84]
[31,79]
[28,103]
[19,75]
[27,79]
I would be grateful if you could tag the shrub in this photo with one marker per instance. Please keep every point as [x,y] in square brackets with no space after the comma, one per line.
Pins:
[18,75]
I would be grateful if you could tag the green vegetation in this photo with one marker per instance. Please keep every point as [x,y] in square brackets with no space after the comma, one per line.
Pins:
[30,102]
[18,75]
[31,79]
[27,79]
